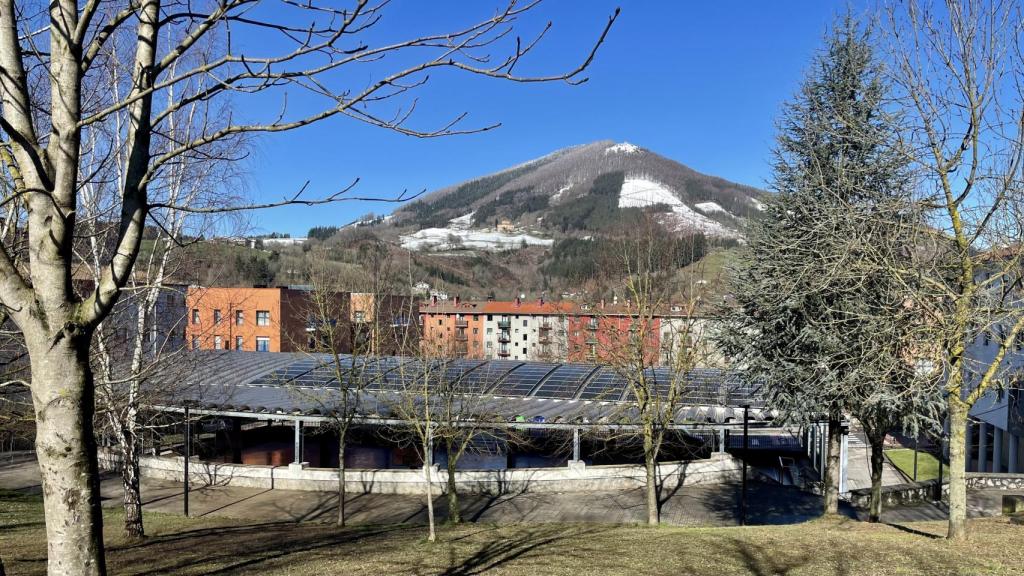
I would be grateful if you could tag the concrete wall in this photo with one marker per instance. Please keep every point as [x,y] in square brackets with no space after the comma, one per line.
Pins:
[572,478]
[915,492]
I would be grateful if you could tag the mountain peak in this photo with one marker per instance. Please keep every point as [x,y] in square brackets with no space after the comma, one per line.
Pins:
[581,191]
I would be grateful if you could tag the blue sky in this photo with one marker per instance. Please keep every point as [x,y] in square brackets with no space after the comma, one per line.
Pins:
[698,82]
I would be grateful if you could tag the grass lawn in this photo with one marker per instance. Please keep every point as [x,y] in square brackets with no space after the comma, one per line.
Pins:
[221,546]
[903,458]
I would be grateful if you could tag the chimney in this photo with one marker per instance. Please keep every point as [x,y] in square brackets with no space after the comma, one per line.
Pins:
[456,299]
[540,300]
[433,299]
[518,301]
[602,303]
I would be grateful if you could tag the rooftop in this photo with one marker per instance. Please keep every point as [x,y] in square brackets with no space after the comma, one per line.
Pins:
[265,383]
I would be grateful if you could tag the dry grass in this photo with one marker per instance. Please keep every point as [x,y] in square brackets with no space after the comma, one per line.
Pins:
[217,546]
[903,458]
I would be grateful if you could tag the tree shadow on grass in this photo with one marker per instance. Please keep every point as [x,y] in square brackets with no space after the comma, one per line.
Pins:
[538,542]
[765,561]
[231,549]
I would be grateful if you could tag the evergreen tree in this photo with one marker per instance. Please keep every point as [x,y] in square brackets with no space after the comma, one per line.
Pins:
[820,314]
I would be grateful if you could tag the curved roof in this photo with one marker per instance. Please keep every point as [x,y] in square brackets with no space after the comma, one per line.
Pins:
[266,382]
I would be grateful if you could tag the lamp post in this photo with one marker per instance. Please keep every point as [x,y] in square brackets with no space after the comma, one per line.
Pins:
[188,453]
[746,448]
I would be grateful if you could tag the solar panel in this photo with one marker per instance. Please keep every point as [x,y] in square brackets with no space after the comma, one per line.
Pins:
[606,385]
[326,374]
[523,379]
[485,377]
[374,371]
[459,368]
[414,374]
[565,381]
[283,376]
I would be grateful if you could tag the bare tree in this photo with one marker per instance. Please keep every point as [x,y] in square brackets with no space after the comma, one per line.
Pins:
[63,48]
[629,338]
[346,332]
[957,67]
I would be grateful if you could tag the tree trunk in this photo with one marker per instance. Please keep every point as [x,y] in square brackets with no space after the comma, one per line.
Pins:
[341,481]
[650,466]
[957,529]
[130,480]
[63,398]
[831,487]
[453,495]
[877,440]
[432,536]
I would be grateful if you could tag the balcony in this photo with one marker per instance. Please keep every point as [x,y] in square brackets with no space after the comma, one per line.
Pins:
[461,348]
[545,326]
[461,336]
[592,325]
[503,352]
[544,339]
[504,337]
[461,323]
[504,324]
[591,339]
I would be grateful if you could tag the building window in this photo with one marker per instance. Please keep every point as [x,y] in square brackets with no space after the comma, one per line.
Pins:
[524,337]
[476,330]
[490,330]
[440,322]
[195,342]
[490,317]
[490,344]
[239,317]
[195,315]
[359,316]
[238,342]
[216,316]
[218,343]
[262,342]
[263,318]
[524,323]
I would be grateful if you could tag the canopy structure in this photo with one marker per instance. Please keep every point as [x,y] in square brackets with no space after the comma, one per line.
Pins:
[541,394]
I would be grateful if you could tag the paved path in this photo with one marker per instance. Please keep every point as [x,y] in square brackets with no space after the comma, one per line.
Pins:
[710,505]
[858,471]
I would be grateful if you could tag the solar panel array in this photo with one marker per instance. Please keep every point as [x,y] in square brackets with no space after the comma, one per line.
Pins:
[565,381]
[522,380]
[514,378]
[606,385]
[486,377]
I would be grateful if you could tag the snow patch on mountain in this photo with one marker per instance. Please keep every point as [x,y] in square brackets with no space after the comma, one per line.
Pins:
[622,148]
[441,239]
[640,192]
[462,222]
[757,204]
[561,191]
[709,207]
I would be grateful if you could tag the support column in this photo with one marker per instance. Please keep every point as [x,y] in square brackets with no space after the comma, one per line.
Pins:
[298,442]
[814,446]
[997,449]
[1011,466]
[576,444]
[843,457]
[236,440]
[969,441]
[721,440]
[822,447]
[982,446]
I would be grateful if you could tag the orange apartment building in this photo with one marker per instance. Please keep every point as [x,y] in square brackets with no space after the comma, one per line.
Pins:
[551,331]
[282,319]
